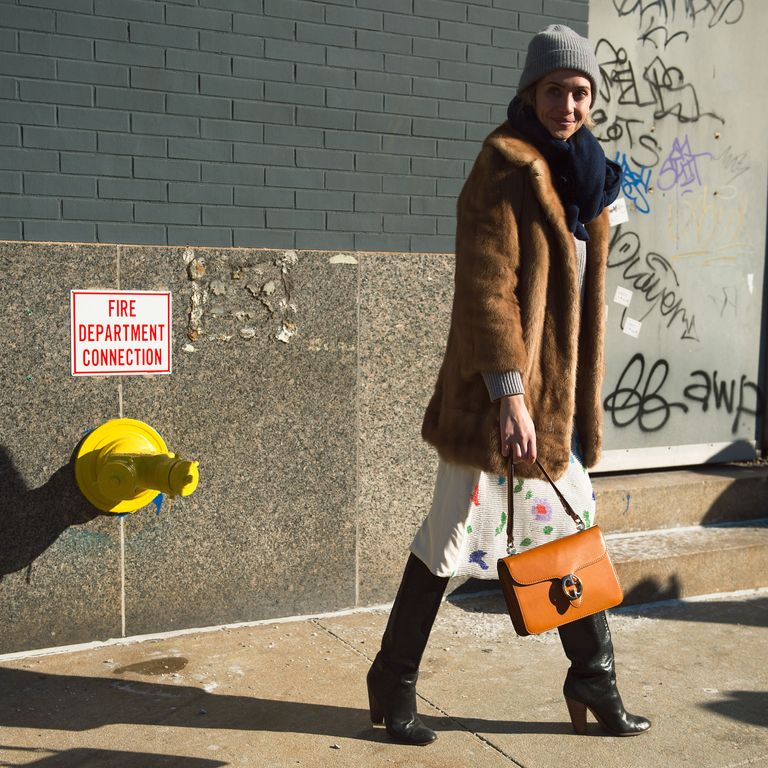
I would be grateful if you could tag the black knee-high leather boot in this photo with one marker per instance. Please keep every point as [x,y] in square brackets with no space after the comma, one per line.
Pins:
[591,680]
[395,670]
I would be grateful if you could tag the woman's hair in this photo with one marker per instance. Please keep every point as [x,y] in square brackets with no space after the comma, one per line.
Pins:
[528,99]
[528,96]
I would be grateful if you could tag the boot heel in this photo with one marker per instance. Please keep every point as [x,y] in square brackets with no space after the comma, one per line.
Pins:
[377,713]
[578,714]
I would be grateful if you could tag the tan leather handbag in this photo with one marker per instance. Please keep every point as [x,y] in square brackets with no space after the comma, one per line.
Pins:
[560,581]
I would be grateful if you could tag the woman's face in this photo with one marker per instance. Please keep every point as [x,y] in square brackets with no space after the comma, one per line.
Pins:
[562,100]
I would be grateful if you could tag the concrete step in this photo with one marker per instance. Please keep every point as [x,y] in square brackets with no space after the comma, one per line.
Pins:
[683,562]
[656,500]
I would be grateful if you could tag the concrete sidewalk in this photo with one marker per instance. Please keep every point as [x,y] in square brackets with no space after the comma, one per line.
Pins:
[293,694]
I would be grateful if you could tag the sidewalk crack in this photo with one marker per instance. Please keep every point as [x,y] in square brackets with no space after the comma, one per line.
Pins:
[421,696]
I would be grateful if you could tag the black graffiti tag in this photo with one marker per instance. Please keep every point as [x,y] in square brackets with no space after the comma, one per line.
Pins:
[663,89]
[615,130]
[672,94]
[650,145]
[707,388]
[621,130]
[655,278]
[656,29]
[734,163]
[714,11]
[617,73]
[637,399]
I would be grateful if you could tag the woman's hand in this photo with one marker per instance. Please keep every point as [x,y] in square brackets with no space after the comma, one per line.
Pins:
[516,429]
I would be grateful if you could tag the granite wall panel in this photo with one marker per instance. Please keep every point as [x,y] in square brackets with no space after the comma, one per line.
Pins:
[59,558]
[403,328]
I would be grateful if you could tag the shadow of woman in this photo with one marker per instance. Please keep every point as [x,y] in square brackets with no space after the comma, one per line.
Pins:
[76,703]
[32,519]
[749,707]
[748,612]
[97,758]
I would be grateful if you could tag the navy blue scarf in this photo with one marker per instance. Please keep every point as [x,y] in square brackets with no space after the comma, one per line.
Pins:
[584,179]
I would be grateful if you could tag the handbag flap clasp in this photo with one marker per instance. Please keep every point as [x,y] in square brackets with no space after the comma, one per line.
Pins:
[558,558]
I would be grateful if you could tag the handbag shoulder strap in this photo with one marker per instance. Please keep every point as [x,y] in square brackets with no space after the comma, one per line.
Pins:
[511,501]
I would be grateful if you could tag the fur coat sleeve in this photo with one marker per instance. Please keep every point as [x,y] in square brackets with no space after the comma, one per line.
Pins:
[516,306]
[488,330]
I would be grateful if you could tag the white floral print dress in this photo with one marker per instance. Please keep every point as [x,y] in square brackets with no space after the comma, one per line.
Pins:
[465,532]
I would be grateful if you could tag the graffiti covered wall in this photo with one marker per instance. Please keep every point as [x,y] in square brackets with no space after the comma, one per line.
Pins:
[682,109]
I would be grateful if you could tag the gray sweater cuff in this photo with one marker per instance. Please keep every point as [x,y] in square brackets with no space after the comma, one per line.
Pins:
[500,383]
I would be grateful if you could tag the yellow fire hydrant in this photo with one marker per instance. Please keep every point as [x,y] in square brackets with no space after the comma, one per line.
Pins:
[122,465]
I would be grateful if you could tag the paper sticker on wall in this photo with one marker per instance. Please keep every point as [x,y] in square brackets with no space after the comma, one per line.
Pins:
[617,212]
[631,327]
[622,296]
[751,282]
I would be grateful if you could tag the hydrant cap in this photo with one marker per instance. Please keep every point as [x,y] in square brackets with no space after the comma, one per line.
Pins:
[184,478]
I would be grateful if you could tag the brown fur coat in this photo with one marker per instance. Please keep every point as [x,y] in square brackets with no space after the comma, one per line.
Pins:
[516,305]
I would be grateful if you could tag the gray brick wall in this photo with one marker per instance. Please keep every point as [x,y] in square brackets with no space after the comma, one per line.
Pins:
[346,124]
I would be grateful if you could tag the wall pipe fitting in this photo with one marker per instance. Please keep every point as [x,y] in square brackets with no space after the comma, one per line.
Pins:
[122,465]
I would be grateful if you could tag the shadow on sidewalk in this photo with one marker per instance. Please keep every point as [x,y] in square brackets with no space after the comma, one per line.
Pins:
[752,612]
[79,704]
[98,758]
[73,703]
[752,707]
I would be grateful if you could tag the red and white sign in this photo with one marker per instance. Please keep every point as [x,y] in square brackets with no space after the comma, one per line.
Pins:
[120,332]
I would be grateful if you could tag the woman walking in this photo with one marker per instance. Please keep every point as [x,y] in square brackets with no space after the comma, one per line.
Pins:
[521,375]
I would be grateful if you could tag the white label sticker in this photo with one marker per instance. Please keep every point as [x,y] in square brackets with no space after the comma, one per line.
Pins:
[622,296]
[751,282]
[617,212]
[632,327]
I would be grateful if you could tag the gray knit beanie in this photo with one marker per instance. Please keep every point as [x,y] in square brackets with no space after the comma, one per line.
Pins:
[559,47]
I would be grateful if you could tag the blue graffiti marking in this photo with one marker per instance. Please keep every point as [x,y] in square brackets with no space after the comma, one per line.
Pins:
[635,183]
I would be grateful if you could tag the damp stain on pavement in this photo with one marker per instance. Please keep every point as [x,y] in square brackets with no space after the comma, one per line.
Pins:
[154,667]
